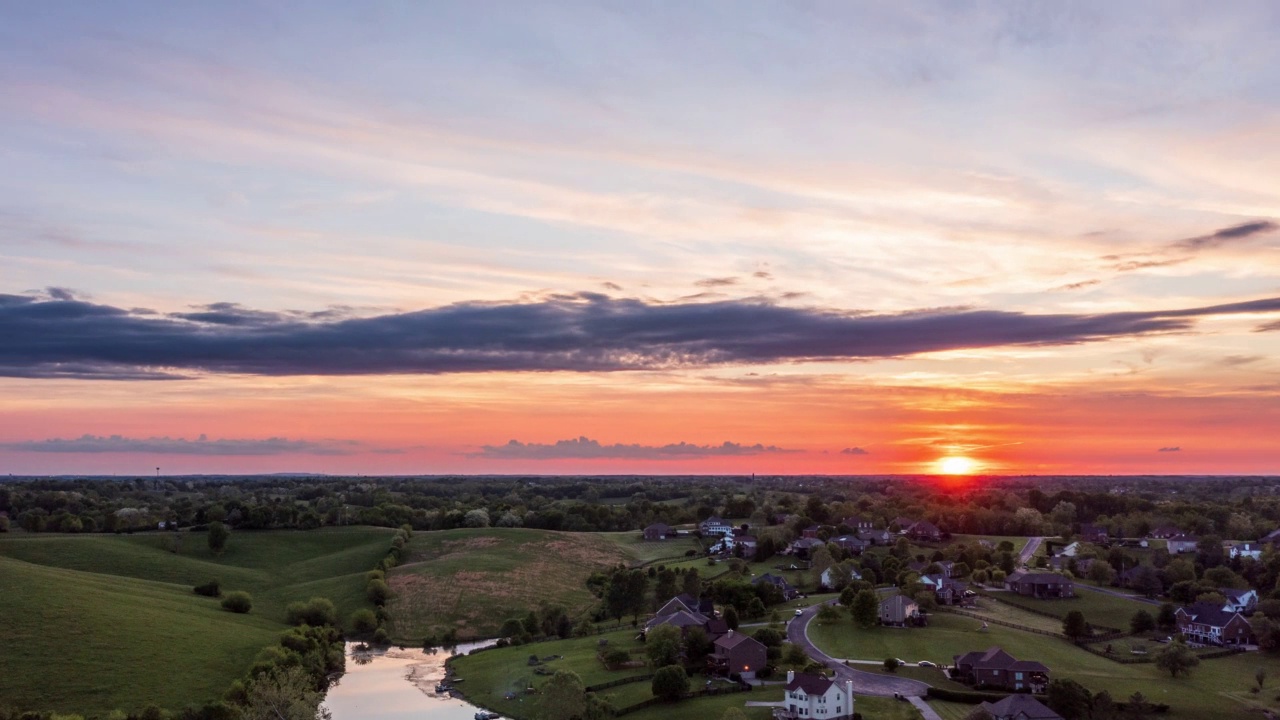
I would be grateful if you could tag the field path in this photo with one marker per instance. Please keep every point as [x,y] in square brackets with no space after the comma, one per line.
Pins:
[864,683]
[1029,550]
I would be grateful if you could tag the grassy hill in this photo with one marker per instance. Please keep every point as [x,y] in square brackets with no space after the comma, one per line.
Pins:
[472,580]
[90,623]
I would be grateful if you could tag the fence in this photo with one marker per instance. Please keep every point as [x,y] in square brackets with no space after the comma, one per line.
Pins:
[619,681]
[1111,634]
[1006,623]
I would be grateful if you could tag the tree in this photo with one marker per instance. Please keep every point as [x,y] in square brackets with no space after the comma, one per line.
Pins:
[1069,699]
[316,612]
[866,608]
[1074,625]
[1104,708]
[670,683]
[363,621]
[828,614]
[1138,708]
[511,628]
[891,664]
[562,697]
[1167,618]
[662,646]
[237,602]
[1142,622]
[731,617]
[478,518]
[378,592]
[1260,676]
[218,535]
[692,584]
[1177,658]
[1101,573]
[284,694]
[697,646]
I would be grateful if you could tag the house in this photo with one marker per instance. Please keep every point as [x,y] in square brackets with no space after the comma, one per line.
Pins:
[924,530]
[851,543]
[1271,538]
[1164,532]
[1078,566]
[682,619]
[1019,706]
[702,605]
[902,523]
[995,668]
[738,653]
[788,590]
[1180,543]
[675,605]
[659,531]
[1241,601]
[828,579]
[1211,625]
[876,537]
[1069,551]
[748,543]
[1040,584]
[1249,550]
[715,525]
[804,546]
[857,522]
[946,590]
[814,696]
[811,531]
[899,611]
[1094,533]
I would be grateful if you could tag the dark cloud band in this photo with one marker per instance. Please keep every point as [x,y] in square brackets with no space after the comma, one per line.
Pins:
[98,444]
[586,448]
[61,336]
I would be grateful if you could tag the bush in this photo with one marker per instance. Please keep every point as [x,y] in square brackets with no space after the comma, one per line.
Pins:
[670,683]
[380,637]
[891,664]
[238,602]
[363,621]
[316,612]
[378,592]
[209,589]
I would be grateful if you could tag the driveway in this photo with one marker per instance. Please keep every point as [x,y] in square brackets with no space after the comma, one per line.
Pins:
[1029,550]
[864,683]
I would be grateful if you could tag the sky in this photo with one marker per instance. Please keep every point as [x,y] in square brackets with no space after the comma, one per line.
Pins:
[616,237]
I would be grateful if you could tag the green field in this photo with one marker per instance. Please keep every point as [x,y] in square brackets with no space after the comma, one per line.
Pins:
[1098,608]
[470,581]
[101,622]
[1215,686]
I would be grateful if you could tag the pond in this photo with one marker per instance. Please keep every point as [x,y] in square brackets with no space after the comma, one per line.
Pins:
[394,684]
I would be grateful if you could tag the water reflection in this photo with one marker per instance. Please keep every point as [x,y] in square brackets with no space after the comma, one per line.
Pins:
[394,684]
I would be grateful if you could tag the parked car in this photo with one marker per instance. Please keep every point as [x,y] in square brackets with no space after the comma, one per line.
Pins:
[926,663]
[799,612]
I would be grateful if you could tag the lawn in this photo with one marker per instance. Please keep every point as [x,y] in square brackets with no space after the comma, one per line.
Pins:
[1098,608]
[951,710]
[1214,687]
[989,608]
[470,581]
[647,551]
[109,621]
[1018,541]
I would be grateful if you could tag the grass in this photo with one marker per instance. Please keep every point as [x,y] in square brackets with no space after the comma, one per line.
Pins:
[650,551]
[1018,541]
[470,581]
[1098,608]
[1215,687]
[989,608]
[109,621]
[951,710]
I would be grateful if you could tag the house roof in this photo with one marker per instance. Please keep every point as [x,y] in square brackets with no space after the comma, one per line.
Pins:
[1247,547]
[1020,706]
[733,639]
[772,580]
[1271,537]
[898,604]
[1182,537]
[714,520]
[993,658]
[663,527]
[808,543]
[675,605]
[680,619]
[1209,614]
[924,527]
[1037,578]
[1029,666]
[1234,595]
[810,684]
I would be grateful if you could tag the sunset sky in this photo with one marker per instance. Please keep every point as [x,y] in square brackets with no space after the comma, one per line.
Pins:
[618,237]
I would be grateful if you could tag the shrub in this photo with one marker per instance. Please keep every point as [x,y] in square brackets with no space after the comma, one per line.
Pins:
[209,589]
[891,664]
[363,621]
[670,683]
[380,637]
[316,612]
[378,592]
[238,602]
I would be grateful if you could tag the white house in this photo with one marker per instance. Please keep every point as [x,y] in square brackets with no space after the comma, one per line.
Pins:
[828,578]
[1249,550]
[715,525]
[1183,544]
[1070,550]
[814,696]
[1241,601]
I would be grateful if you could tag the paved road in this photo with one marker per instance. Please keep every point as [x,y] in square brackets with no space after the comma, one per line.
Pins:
[1029,550]
[864,683]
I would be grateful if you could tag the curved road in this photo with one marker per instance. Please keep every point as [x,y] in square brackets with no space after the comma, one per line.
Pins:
[864,683]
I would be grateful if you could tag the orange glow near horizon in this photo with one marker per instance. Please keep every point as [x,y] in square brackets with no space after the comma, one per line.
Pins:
[956,465]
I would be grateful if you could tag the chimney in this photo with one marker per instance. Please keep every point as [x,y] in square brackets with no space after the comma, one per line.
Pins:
[791,676]
[848,691]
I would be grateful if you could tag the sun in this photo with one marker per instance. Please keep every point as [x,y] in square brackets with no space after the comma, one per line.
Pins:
[956,465]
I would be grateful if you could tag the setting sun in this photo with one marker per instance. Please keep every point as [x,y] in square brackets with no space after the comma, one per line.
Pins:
[956,465]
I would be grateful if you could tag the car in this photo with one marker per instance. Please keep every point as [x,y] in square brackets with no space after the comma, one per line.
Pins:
[799,612]
[926,663]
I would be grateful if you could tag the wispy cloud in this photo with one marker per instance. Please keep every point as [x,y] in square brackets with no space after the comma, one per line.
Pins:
[586,448]
[854,451]
[61,336]
[1170,449]
[1227,235]
[202,445]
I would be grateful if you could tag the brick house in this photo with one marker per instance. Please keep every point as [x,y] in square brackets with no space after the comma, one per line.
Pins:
[1019,707]
[1040,584]
[900,611]
[995,668]
[924,530]
[659,531]
[1211,625]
